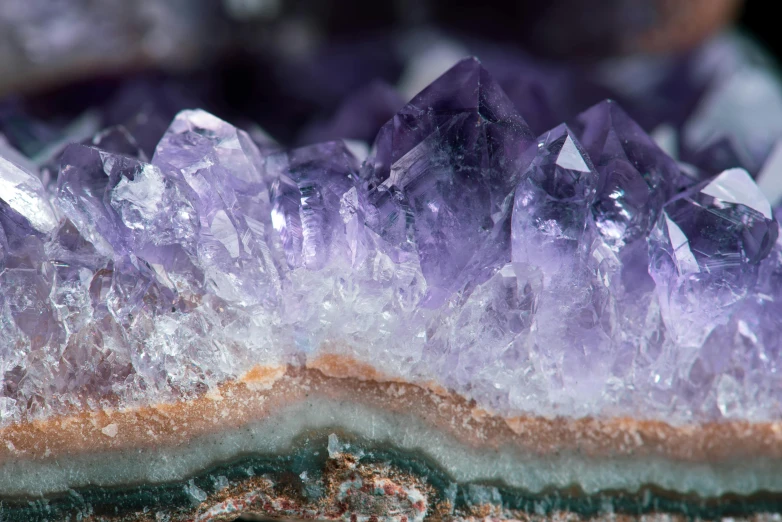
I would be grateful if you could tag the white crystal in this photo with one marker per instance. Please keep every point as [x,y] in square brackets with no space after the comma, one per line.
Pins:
[110,430]
[570,157]
[24,193]
[194,492]
[685,260]
[737,186]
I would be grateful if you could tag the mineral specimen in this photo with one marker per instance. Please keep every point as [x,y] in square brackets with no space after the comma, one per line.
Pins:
[474,321]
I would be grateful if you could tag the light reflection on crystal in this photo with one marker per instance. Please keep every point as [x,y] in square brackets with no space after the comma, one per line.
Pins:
[581,273]
[705,250]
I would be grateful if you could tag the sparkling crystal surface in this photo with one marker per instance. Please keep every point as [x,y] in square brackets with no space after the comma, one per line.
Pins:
[553,200]
[221,170]
[636,177]
[583,272]
[441,174]
[557,190]
[306,200]
[705,251]
[22,198]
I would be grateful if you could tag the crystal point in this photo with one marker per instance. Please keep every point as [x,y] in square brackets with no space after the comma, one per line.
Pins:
[22,197]
[221,173]
[705,251]
[553,200]
[441,175]
[636,177]
[306,200]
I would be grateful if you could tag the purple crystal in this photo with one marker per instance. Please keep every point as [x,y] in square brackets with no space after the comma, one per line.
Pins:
[87,178]
[25,285]
[705,250]
[306,200]
[636,177]
[360,240]
[131,218]
[441,173]
[590,258]
[23,202]
[118,140]
[553,201]
[223,171]
[744,352]
[122,205]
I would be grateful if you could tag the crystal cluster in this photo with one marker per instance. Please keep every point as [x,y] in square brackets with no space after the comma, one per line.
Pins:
[582,272]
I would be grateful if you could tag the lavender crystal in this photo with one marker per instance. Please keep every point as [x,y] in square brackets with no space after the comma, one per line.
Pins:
[442,173]
[583,272]
[706,247]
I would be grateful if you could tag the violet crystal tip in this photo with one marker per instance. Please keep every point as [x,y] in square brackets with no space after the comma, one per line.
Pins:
[441,173]
[707,246]
[636,176]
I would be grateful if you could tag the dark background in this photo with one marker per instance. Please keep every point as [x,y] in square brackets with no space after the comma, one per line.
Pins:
[760,18]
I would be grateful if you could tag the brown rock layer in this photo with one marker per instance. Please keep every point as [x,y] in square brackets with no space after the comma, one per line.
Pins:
[265,390]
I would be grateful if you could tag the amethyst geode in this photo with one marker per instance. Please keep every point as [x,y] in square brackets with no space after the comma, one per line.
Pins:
[584,272]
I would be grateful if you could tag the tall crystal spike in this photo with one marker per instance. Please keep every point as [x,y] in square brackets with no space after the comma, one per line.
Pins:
[441,175]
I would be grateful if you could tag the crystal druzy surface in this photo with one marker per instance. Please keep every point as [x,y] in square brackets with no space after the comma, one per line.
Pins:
[580,273]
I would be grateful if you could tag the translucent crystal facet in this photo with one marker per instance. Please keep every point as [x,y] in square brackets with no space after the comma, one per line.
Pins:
[636,177]
[441,174]
[86,184]
[306,200]
[705,250]
[583,272]
[222,171]
[22,198]
[553,200]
